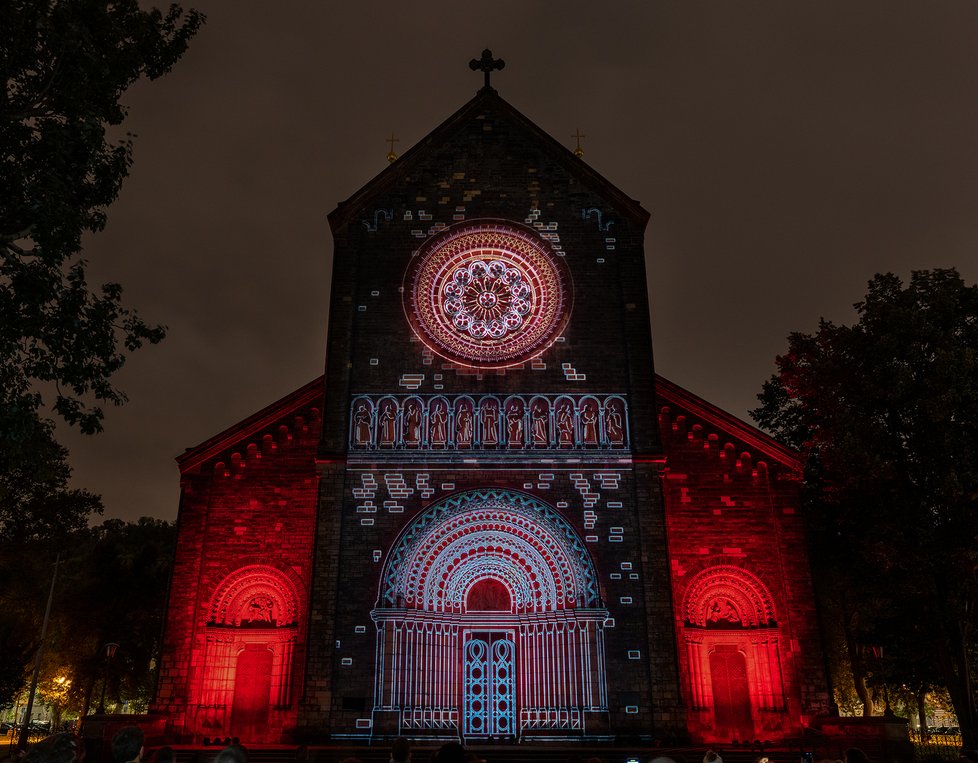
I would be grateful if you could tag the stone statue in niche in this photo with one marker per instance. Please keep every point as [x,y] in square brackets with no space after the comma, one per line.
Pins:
[514,425]
[361,425]
[388,425]
[463,426]
[722,611]
[489,419]
[614,424]
[565,425]
[541,434]
[589,423]
[439,424]
[412,423]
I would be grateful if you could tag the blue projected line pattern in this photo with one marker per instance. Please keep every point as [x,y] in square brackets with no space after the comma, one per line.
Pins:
[503,534]
[487,422]
[490,622]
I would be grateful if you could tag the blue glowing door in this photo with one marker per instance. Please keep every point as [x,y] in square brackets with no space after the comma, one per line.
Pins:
[490,688]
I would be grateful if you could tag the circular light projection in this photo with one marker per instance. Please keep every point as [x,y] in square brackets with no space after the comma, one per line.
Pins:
[487,294]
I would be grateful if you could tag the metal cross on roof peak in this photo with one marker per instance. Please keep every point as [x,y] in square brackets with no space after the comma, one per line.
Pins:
[391,156]
[486,64]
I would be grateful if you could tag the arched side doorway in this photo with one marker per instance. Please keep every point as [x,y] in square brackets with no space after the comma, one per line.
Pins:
[732,641]
[246,679]
[489,624]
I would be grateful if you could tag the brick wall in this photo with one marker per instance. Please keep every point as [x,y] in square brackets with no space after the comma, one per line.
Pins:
[487,162]
[729,504]
[250,501]
[300,496]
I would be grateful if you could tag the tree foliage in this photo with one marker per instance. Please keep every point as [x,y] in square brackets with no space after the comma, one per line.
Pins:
[111,587]
[36,502]
[886,414]
[65,65]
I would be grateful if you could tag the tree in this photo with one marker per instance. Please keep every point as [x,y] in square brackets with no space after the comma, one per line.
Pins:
[885,413]
[111,588]
[36,503]
[65,65]
[25,577]
[118,595]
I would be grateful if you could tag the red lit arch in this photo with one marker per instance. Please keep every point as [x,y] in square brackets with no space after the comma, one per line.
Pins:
[255,594]
[502,534]
[244,684]
[733,671]
[742,598]
[488,595]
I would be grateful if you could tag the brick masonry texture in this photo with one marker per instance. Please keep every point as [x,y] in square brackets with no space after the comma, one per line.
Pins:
[283,490]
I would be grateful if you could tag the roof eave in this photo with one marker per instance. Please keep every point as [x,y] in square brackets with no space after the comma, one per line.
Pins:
[213,446]
[753,437]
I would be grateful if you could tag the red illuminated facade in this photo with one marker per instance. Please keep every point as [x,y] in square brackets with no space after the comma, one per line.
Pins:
[490,518]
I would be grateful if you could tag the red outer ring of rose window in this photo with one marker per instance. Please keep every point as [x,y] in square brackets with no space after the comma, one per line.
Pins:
[484,239]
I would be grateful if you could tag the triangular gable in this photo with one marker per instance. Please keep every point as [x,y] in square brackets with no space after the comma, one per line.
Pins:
[484,102]
[285,408]
[690,405]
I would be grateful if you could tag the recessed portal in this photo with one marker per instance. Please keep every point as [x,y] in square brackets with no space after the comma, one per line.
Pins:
[489,595]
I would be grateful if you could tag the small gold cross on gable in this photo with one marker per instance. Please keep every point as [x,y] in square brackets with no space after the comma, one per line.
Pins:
[578,152]
[391,156]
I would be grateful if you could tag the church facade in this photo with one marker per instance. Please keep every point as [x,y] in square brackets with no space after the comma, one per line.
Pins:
[490,518]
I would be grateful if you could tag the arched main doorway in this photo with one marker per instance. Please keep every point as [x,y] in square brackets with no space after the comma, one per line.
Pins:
[733,661]
[489,624]
[245,683]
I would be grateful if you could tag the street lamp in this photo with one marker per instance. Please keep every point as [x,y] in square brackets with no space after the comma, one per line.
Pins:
[25,727]
[109,651]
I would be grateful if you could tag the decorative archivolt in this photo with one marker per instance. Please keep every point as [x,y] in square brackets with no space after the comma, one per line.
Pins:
[255,595]
[507,536]
[464,422]
[726,596]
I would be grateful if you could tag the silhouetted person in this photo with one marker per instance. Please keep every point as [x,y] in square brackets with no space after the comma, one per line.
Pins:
[127,745]
[712,756]
[233,753]
[855,755]
[62,748]
[450,752]
[400,751]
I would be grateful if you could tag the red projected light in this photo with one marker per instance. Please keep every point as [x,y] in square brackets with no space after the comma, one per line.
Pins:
[487,294]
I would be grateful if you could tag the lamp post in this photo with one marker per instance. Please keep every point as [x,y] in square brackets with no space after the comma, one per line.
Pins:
[108,651]
[25,728]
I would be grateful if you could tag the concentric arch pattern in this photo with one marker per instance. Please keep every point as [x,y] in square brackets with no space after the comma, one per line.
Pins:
[505,535]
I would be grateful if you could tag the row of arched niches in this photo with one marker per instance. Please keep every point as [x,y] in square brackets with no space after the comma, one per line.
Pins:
[488,422]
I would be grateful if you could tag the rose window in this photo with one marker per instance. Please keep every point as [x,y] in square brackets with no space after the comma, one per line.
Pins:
[487,299]
[487,294]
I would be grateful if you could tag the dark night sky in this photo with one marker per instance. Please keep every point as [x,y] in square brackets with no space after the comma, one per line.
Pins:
[786,150]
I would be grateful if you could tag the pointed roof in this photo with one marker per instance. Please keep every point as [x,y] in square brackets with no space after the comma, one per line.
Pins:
[270,415]
[671,393]
[485,101]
